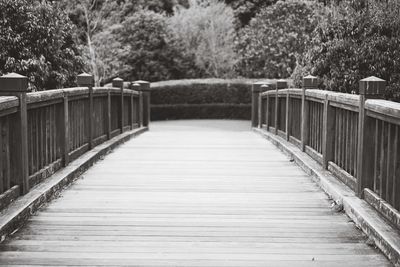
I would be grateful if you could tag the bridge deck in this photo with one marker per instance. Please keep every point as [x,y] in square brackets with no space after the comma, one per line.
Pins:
[192,193]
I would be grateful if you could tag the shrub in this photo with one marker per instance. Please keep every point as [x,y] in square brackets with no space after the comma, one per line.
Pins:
[36,41]
[202,98]
[356,39]
[269,44]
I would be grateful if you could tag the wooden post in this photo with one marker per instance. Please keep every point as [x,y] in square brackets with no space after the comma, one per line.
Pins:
[371,87]
[139,113]
[145,99]
[108,115]
[309,82]
[65,126]
[276,109]
[132,106]
[87,80]
[282,84]
[17,85]
[119,83]
[261,106]
[328,133]
[255,107]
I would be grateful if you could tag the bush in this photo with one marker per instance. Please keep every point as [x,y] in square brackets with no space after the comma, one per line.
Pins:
[356,39]
[36,40]
[203,98]
[268,46]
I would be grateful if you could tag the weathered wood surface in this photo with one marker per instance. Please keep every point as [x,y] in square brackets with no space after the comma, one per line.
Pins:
[192,193]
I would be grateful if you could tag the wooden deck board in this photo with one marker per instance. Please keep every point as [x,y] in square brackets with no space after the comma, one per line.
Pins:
[192,193]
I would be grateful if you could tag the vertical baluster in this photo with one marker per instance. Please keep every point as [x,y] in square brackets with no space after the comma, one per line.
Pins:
[376,156]
[328,133]
[396,166]
[382,154]
[389,163]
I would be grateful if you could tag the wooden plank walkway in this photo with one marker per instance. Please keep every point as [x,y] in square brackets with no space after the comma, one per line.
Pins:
[192,193]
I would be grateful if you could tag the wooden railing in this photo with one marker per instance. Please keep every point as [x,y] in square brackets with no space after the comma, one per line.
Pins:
[355,137]
[41,132]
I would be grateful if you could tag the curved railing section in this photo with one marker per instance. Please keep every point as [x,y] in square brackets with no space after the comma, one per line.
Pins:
[356,137]
[42,132]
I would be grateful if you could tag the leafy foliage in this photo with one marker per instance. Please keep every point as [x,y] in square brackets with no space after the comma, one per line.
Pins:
[206,33]
[356,39]
[36,41]
[245,10]
[146,50]
[269,44]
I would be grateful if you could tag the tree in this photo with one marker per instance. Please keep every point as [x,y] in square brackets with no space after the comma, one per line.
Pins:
[206,31]
[147,50]
[355,39]
[269,44]
[36,41]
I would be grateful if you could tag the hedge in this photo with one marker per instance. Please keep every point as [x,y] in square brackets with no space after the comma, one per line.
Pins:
[201,99]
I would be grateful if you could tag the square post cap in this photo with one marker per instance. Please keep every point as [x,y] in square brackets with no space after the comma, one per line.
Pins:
[118,82]
[144,85]
[372,86]
[261,86]
[85,79]
[310,82]
[13,82]
[281,84]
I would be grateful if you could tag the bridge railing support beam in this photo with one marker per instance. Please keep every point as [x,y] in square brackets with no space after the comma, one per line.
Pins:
[309,82]
[328,133]
[119,83]
[144,89]
[87,80]
[255,103]
[17,85]
[371,87]
[263,109]
[281,84]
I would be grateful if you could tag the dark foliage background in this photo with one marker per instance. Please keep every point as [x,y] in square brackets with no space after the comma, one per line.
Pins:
[340,41]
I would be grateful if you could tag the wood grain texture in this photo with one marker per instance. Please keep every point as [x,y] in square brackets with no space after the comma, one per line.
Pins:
[192,193]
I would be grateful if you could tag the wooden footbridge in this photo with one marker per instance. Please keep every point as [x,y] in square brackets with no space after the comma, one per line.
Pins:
[194,193]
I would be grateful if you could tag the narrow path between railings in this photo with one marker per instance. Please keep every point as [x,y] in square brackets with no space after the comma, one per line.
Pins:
[192,193]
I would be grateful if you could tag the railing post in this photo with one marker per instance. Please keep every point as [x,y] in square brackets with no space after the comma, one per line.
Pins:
[132,105]
[276,109]
[17,85]
[119,83]
[261,106]
[87,80]
[145,99]
[255,105]
[309,82]
[108,115]
[371,87]
[328,133]
[282,84]
[65,129]
[139,113]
